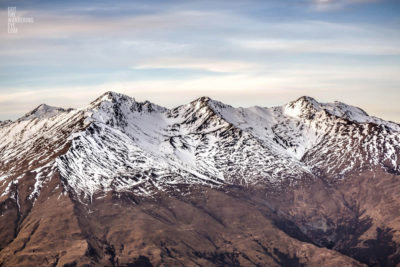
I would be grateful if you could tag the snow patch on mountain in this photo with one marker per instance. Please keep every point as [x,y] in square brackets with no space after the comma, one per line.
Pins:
[307,107]
[43,111]
[119,144]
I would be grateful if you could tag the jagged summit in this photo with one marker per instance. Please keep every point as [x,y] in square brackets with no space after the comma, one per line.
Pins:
[133,165]
[115,102]
[115,97]
[307,108]
[43,111]
[307,100]
[202,99]
[303,107]
[201,102]
[206,138]
[343,110]
[207,102]
[110,96]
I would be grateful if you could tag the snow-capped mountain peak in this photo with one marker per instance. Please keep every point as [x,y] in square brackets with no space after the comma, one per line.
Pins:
[43,111]
[118,102]
[200,103]
[110,96]
[202,99]
[207,101]
[303,107]
[205,141]
[119,158]
[307,108]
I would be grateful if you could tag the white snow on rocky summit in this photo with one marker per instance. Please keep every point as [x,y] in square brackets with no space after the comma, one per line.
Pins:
[118,144]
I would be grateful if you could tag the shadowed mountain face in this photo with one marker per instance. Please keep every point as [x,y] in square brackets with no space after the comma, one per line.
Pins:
[124,183]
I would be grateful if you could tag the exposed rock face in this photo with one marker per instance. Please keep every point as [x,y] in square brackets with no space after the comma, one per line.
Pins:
[123,183]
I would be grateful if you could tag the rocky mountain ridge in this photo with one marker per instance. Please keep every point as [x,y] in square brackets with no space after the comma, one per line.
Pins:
[117,149]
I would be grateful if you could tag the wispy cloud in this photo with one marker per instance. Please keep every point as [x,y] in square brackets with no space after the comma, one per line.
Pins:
[328,5]
[353,47]
[268,88]
[213,65]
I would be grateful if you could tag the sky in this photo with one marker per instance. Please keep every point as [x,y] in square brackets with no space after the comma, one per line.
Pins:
[243,53]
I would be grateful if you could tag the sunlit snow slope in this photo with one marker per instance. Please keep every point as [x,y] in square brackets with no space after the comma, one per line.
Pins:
[117,144]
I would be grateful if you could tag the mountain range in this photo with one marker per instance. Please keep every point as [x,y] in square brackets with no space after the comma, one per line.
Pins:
[127,183]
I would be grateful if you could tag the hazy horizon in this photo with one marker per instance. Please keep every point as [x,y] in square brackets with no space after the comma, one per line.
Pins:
[176,105]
